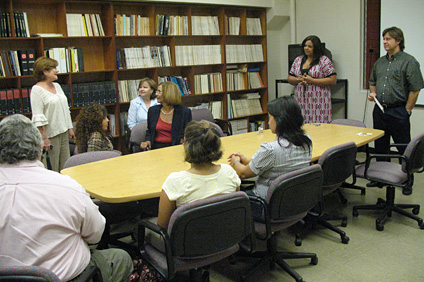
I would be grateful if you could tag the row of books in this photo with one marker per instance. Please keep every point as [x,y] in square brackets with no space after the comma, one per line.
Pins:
[204,25]
[232,25]
[128,90]
[254,79]
[246,104]
[214,106]
[244,53]
[70,59]
[10,102]
[112,122]
[84,25]
[207,83]
[102,92]
[143,57]
[253,26]
[239,126]
[182,83]
[131,25]
[198,55]
[21,24]
[171,25]
[5,25]
[17,62]
[235,80]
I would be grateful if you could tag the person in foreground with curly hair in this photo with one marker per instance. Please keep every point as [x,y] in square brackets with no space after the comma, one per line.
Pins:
[91,126]
[47,218]
[204,179]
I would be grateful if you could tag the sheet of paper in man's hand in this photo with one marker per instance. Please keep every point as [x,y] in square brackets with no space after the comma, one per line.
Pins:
[378,104]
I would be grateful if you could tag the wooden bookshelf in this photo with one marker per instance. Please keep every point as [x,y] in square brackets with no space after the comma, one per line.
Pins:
[100,52]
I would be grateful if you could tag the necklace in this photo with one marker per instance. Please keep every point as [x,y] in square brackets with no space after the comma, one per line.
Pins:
[170,112]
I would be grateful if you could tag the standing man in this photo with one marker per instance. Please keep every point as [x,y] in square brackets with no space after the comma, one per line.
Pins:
[395,81]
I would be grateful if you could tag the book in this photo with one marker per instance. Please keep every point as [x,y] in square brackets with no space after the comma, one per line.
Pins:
[23,62]
[17,101]
[3,102]
[47,35]
[26,107]
[31,60]
[10,105]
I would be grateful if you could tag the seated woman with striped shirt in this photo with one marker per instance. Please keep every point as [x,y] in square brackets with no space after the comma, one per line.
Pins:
[91,129]
[291,150]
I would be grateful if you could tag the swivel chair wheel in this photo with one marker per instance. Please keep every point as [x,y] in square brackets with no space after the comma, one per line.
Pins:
[379,226]
[416,211]
[344,222]
[345,239]
[355,213]
[298,241]
[314,260]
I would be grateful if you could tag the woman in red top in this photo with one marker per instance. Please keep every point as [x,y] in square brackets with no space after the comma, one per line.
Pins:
[166,122]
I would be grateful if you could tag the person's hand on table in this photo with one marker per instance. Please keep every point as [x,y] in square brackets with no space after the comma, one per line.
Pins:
[145,145]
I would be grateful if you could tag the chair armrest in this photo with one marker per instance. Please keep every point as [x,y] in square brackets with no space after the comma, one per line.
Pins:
[390,156]
[227,123]
[265,219]
[398,145]
[142,225]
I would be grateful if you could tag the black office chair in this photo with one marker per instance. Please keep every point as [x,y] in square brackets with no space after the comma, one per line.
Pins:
[199,234]
[391,175]
[337,164]
[288,201]
[219,124]
[40,274]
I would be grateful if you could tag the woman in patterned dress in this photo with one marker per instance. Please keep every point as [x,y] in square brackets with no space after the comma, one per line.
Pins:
[312,73]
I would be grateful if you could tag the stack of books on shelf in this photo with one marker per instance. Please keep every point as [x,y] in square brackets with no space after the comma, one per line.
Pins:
[208,83]
[247,104]
[198,55]
[182,83]
[254,79]
[253,26]
[17,62]
[235,80]
[131,25]
[239,126]
[5,25]
[10,102]
[244,53]
[128,90]
[123,118]
[171,25]
[204,25]
[84,25]
[233,25]
[144,57]
[102,92]
[21,24]
[69,59]
[214,106]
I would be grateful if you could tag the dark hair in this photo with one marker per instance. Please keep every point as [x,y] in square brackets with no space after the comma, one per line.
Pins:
[288,116]
[318,50]
[89,120]
[397,34]
[202,143]
[152,85]
[43,64]
[19,140]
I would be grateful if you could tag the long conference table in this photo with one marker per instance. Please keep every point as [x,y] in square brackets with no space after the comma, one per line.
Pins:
[141,175]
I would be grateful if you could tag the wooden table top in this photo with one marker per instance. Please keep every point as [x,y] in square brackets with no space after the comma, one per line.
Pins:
[141,175]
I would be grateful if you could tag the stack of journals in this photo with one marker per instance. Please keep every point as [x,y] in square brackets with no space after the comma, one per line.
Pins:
[244,53]
[21,24]
[247,104]
[102,92]
[84,25]
[128,90]
[253,26]
[233,25]
[198,55]
[171,25]
[254,79]
[239,126]
[214,106]
[143,57]
[235,80]
[204,25]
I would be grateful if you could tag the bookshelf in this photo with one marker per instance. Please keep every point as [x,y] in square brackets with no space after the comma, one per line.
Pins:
[210,57]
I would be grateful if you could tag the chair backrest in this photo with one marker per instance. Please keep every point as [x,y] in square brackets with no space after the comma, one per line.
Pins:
[210,225]
[138,135]
[295,193]
[415,154]
[351,122]
[202,114]
[27,273]
[89,157]
[338,163]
